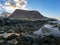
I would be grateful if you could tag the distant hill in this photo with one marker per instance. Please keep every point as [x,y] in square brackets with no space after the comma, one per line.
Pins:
[18,13]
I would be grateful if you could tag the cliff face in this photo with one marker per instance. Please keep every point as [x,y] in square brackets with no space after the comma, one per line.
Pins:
[26,14]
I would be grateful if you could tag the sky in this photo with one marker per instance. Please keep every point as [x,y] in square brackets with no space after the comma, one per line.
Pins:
[11,5]
[48,8]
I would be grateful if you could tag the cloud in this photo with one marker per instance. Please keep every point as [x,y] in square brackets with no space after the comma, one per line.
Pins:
[1,5]
[11,5]
[1,8]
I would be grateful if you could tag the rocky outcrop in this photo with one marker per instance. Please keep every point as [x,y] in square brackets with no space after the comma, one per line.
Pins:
[26,14]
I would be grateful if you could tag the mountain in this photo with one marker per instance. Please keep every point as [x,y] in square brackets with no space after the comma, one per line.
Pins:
[18,13]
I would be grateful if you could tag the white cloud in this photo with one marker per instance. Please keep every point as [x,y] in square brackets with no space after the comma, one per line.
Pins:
[1,5]
[15,4]
[11,5]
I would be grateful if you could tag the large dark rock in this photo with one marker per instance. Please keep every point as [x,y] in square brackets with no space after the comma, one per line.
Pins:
[26,14]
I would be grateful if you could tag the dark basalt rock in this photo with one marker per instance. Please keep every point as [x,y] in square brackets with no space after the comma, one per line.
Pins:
[26,14]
